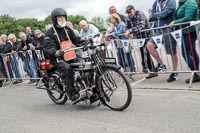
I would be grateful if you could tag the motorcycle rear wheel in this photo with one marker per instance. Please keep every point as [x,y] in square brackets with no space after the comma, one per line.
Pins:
[56,91]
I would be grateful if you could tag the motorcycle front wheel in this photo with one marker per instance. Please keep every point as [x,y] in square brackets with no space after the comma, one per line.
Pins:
[114,88]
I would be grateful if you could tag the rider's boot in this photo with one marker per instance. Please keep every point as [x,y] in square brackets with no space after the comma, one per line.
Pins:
[74,96]
[93,99]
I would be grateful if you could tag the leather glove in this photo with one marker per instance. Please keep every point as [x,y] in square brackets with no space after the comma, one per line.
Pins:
[85,48]
[82,41]
[59,53]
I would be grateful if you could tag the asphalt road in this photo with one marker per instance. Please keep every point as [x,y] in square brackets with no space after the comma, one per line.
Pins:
[24,109]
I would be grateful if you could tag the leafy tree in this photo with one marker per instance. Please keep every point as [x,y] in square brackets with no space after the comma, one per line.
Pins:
[32,22]
[10,24]
[7,24]
[47,20]
[75,20]
[99,22]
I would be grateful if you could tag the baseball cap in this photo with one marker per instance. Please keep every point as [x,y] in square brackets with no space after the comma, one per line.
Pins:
[129,8]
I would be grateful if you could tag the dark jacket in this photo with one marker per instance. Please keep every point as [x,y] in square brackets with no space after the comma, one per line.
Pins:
[6,48]
[138,23]
[40,43]
[31,35]
[52,43]
[123,18]
[187,11]
[27,42]
[17,46]
[164,17]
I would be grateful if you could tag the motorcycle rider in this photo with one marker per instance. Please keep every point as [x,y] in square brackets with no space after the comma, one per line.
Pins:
[58,33]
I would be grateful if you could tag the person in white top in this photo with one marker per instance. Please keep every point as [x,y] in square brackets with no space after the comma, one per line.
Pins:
[87,29]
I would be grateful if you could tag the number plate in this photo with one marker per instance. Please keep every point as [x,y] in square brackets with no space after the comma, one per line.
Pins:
[110,60]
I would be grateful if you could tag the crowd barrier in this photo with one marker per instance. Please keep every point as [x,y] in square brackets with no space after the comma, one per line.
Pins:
[133,56]
[21,66]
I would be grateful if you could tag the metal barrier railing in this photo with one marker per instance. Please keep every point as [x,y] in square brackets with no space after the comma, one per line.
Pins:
[134,56]
[131,54]
[20,66]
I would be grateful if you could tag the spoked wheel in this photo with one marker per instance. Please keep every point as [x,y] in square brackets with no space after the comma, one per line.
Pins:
[117,95]
[56,91]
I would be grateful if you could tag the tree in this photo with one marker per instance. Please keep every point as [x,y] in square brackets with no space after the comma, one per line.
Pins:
[47,20]
[10,24]
[99,22]
[7,24]
[75,20]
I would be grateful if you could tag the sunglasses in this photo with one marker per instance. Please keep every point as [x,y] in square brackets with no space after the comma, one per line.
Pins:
[128,12]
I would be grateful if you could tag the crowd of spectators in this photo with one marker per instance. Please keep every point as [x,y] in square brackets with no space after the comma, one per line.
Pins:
[162,13]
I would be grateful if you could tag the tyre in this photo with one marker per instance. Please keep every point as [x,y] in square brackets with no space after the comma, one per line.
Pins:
[115,94]
[1,83]
[56,91]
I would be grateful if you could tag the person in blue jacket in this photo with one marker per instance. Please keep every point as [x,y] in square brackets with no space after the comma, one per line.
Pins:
[162,13]
[125,58]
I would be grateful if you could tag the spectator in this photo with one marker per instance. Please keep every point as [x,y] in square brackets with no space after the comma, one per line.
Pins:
[39,46]
[1,61]
[16,47]
[1,65]
[29,64]
[108,31]
[137,21]
[39,40]
[113,9]
[87,29]
[198,3]
[70,25]
[125,58]
[6,48]
[163,13]
[187,11]
[30,34]
[48,27]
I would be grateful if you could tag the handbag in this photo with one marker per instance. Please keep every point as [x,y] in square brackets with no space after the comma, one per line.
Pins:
[65,45]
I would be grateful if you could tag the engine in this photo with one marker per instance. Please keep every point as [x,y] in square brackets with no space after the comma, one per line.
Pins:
[83,83]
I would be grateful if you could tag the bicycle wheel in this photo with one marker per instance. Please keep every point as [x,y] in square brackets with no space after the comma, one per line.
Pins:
[56,91]
[116,95]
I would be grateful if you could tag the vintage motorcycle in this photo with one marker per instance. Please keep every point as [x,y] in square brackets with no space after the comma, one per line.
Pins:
[97,80]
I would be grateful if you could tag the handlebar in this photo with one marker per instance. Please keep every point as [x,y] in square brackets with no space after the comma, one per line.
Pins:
[82,47]
[86,44]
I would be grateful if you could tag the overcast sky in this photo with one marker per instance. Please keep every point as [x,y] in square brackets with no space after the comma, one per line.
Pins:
[88,8]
